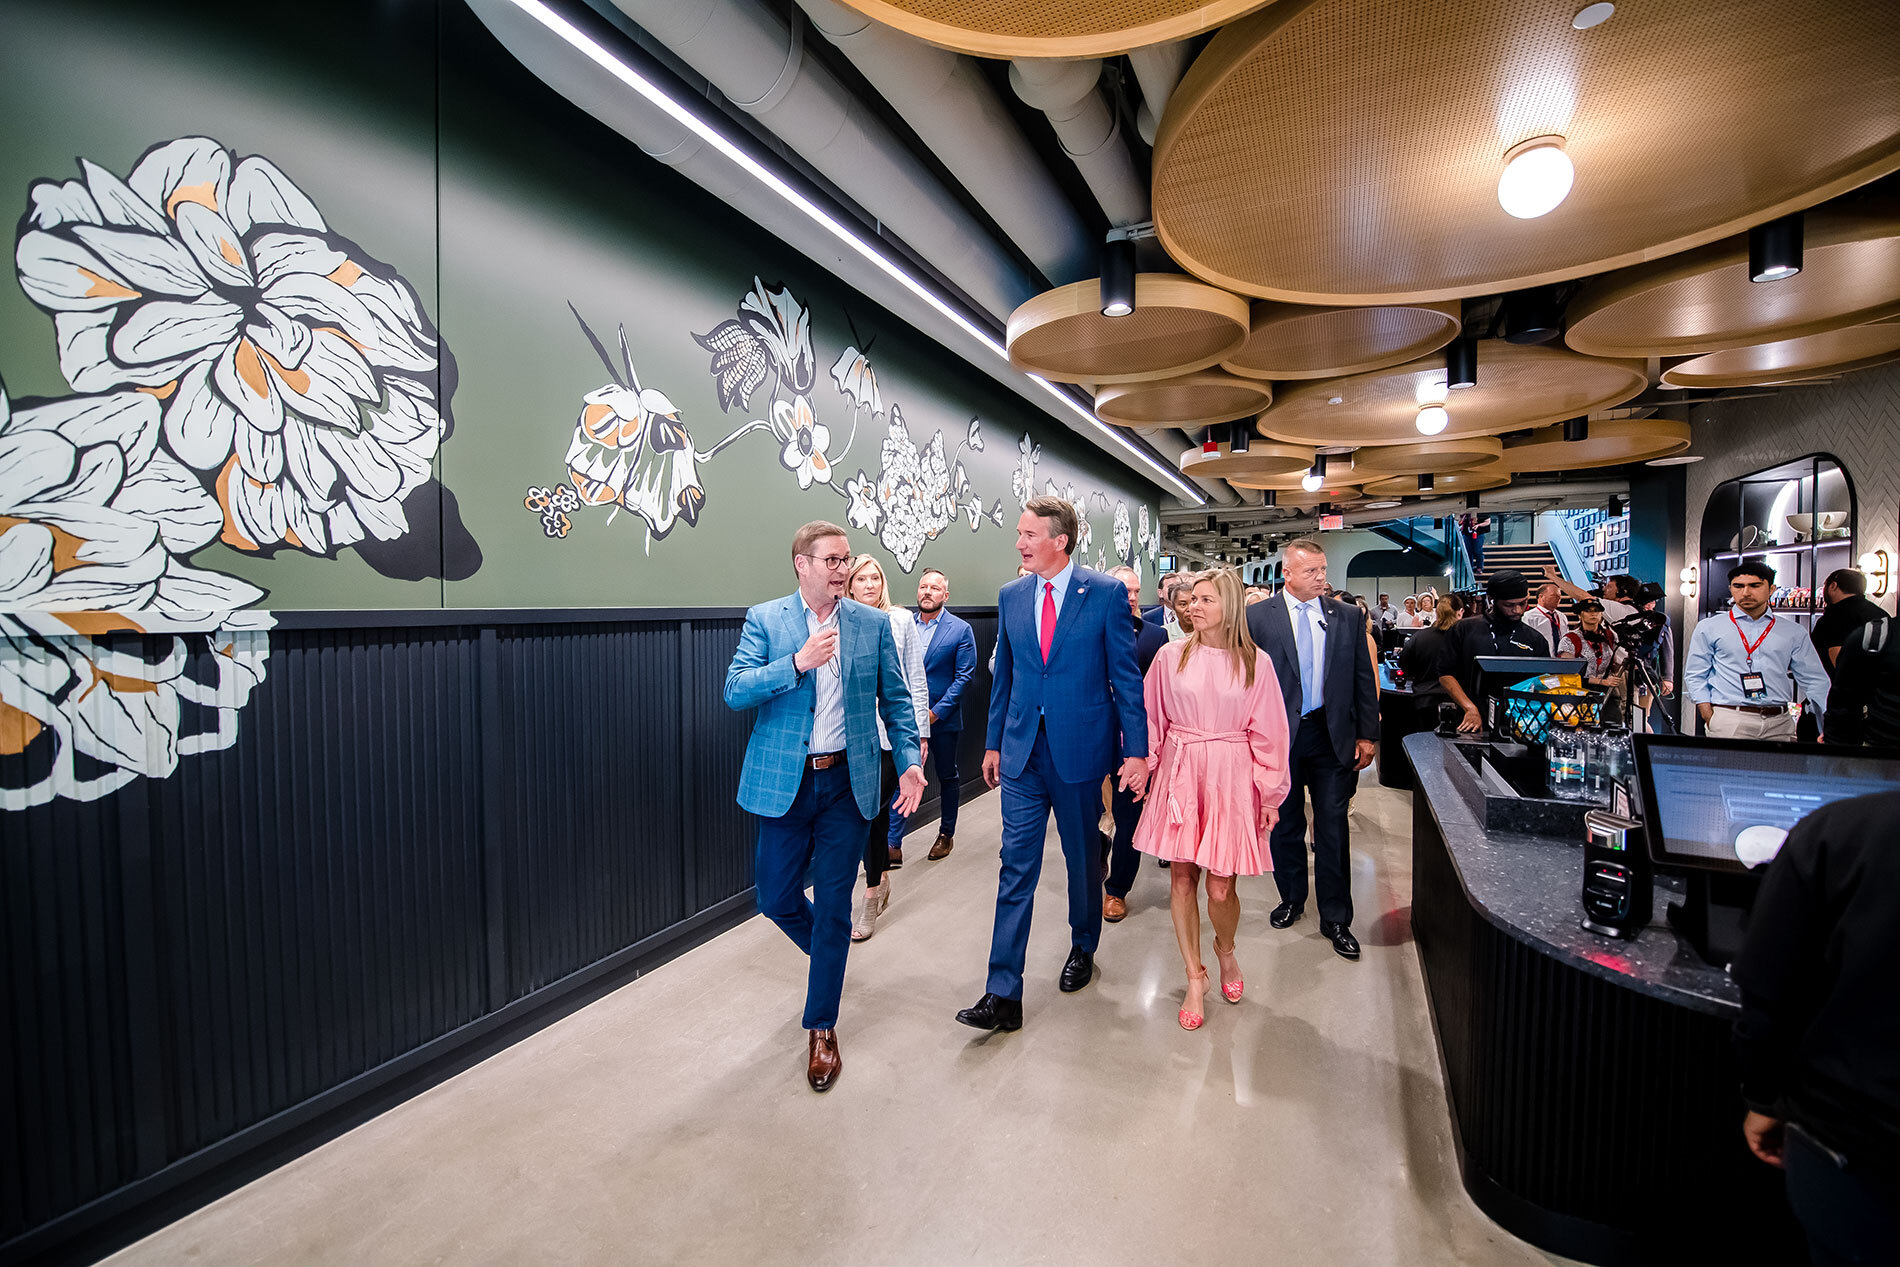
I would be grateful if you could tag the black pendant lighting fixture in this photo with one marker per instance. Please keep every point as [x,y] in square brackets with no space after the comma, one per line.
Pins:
[1118,278]
[1616,507]
[1315,477]
[1269,498]
[1576,429]
[1471,501]
[1426,481]
[1242,439]
[1461,363]
[1533,316]
[1774,249]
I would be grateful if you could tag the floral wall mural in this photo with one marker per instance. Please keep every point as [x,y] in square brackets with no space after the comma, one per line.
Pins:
[240,373]
[630,450]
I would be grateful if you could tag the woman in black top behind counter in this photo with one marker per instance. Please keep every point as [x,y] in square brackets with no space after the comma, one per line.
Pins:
[1424,659]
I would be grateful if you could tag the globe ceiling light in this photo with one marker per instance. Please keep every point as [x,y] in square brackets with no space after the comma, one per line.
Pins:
[1433,419]
[1315,475]
[1536,177]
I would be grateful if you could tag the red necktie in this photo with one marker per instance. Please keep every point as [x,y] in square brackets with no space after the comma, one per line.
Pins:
[1048,617]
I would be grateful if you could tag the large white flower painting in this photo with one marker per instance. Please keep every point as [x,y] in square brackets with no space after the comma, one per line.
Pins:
[241,373]
[631,451]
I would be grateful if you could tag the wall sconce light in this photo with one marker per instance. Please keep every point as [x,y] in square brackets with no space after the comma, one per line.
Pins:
[1878,568]
[1687,577]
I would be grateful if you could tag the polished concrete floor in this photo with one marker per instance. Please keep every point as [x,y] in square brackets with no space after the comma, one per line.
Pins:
[670,1122]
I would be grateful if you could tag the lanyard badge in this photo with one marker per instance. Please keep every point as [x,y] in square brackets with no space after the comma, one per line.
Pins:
[1754,686]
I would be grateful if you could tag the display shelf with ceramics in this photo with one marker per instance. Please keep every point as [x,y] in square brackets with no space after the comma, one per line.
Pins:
[1798,517]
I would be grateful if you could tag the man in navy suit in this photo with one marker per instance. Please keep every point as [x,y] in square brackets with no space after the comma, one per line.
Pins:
[949,664]
[1123,859]
[1065,688]
[1318,649]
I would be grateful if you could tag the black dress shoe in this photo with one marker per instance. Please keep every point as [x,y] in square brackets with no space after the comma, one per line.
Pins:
[1286,915]
[1343,941]
[1079,971]
[993,1011]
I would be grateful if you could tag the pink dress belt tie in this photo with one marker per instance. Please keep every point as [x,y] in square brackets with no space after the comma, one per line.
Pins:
[1184,795]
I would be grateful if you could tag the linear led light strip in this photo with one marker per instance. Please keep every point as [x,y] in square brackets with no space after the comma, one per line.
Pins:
[601,57]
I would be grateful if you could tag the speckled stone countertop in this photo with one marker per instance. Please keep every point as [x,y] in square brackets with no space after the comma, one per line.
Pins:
[1531,886]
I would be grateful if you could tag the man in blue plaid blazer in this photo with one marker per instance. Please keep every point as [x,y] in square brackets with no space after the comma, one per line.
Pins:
[820,669]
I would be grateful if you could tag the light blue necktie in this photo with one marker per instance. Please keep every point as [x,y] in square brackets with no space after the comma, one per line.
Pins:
[1309,666]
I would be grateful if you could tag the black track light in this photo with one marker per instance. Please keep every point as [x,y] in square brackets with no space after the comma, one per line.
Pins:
[1471,501]
[1269,498]
[1426,481]
[1213,524]
[1461,363]
[1118,278]
[1774,249]
[1576,429]
[1242,439]
[1533,316]
[1616,507]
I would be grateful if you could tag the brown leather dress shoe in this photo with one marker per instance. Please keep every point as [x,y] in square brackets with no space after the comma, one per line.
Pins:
[941,850]
[825,1060]
[1114,910]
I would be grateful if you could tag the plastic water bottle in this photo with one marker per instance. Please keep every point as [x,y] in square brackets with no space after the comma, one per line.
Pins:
[1563,748]
[1596,766]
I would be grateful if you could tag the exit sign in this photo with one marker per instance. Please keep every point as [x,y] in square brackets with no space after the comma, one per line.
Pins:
[1328,523]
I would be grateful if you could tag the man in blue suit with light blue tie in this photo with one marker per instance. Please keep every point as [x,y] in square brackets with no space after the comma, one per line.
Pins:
[820,669]
[1065,697]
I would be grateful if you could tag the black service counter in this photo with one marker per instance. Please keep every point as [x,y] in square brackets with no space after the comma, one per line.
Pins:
[1592,1086]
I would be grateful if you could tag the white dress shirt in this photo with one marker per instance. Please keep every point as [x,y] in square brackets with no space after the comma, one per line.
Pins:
[1314,613]
[827,718]
[1552,624]
[1061,582]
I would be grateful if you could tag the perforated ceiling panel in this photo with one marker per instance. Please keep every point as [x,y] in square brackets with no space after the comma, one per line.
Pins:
[1703,301]
[1609,443]
[1349,151]
[1462,454]
[1294,341]
[1187,400]
[1178,325]
[1443,485]
[1519,385]
[1792,360]
[1051,28]
[1264,459]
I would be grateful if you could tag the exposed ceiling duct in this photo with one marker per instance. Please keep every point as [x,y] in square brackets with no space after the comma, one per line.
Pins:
[948,102]
[753,55]
[1158,69]
[1089,131]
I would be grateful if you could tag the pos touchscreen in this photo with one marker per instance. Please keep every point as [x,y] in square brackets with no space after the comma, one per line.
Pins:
[1727,804]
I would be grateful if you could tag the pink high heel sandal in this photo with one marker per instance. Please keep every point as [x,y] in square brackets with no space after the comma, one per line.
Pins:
[1230,990]
[1193,1020]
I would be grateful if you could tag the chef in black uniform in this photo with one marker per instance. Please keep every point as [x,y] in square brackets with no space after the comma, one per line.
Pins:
[1501,632]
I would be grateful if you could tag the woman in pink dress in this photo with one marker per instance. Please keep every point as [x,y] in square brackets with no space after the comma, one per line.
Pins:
[1217,723]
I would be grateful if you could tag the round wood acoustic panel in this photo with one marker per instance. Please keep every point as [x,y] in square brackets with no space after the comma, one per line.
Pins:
[1295,341]
[1454,483]
[1186,400]
[1462,454]
[1792,360]
[1519,385]
[1702,300]
[1611,442]
[1264,459]
[1051,28]
[1178,325]
[1348,151]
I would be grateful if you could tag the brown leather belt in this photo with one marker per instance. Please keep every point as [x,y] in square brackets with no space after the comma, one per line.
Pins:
[1760,710]
[824,760]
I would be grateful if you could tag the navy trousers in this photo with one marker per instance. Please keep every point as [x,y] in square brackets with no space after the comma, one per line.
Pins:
[822,833]
[1124,860]
[943,754]
[1316,769]
[1850,1217]
[1027,802]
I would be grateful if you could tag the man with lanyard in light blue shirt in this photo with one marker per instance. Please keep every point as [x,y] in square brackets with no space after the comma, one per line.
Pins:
[1740,663]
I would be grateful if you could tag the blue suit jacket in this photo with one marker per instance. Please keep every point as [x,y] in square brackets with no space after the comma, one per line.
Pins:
[762,677]
[1086,695]
[949,664]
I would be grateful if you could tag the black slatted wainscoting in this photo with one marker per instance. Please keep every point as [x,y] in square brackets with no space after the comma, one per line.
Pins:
[431,834]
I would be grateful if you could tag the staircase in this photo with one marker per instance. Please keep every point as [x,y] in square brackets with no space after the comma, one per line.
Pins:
[1532,561]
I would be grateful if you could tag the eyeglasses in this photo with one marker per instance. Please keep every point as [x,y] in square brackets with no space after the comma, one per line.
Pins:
[832,562]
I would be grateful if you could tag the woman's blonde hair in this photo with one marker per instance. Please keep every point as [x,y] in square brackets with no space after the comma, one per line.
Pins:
[883,582]
[1233,607]
[1446,614]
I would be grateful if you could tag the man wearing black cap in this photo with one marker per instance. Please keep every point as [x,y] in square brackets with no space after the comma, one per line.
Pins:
[1502,632]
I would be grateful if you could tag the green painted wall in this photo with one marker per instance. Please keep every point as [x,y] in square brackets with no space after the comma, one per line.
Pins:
[438,166]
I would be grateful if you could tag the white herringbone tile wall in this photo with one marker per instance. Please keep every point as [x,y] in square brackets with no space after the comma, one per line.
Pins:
[1857,420]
